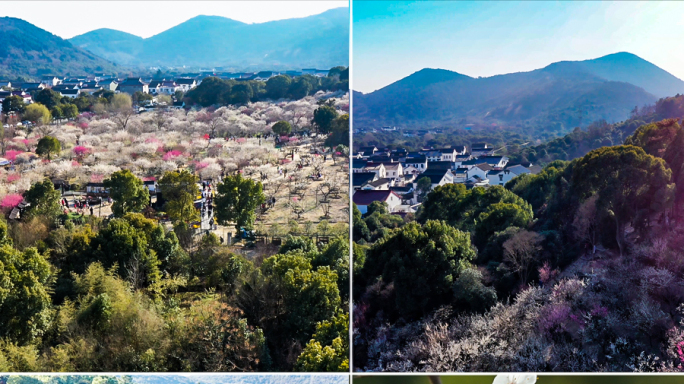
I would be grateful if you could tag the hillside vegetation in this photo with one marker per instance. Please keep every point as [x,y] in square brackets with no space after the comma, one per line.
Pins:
[30,52]
[555,98]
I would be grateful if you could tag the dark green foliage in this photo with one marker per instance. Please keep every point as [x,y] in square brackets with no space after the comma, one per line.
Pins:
[237,199]
[470,294]
[48,145]
[282,128]
[339,133]
[128,192]
[422,262]
[13,104]
[36,52]
[25,304]
[48,98]
[43,199]
[324,117]
[277,86]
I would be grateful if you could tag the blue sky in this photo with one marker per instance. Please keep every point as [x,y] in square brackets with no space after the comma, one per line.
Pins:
[392,39]
[67,19]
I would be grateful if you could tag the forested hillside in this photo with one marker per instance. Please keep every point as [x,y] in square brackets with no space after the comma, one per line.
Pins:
[577,268]
[30,52]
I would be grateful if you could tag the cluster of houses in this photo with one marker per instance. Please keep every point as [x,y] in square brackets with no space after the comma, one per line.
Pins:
[392,176]
[73,87]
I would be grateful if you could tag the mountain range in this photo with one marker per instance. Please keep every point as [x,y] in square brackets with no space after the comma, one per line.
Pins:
[566,93]
[320,41]
[28,51]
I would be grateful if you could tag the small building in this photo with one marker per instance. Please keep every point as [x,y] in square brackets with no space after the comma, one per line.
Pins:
[70,93]
[364,198]
[108,84]
[186,83]
[437,177]
[97,189]
[132,85]
[500,177]
[50,81]
[360,179]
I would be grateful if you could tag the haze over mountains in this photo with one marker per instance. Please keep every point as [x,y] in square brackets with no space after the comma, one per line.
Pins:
[566,93]
[28,51]
[320,41]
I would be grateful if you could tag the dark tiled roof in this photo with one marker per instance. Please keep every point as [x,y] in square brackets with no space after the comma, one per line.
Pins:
[361,178]
[365,197]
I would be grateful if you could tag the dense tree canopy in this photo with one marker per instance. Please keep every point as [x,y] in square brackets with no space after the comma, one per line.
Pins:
[237,199]
[425,266]
[128,192]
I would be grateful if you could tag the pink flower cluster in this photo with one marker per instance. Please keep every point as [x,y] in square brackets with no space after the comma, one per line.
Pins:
[12,155]
[170,155]
[81,150]
[241,140]
[12,177]
[201,165]
[10,201]
[96,178]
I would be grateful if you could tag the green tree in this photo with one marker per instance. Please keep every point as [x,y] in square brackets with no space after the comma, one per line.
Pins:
[277,86]
[120,102]
[423,187]
[69,111]
[13,104]
[43,199]
[37,114]
[423,269]
[360,230]
[299,88]
[627,180]
[323,118]
[242,93]
[328,349]
[309,295]
[57,112]
[179,189]
[25,303]
[237,199]
[282,128]
[441,201]
[48,98]
[497,217]
[339,133]
[121,243]
[47,146]
[128,192]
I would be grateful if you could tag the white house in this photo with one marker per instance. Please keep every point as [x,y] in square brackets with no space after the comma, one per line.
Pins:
[50,81]
[419,164]
[378,169]
[186,84]
[479,170]
[364,198]
[448,154]
[393,170]
[70,93]
[500,177]
[437,177]
[494,161]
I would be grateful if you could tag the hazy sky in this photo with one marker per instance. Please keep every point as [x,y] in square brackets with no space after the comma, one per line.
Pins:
[67,19]
[393,39]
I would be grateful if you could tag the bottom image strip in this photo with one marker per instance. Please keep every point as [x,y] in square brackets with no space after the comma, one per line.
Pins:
[519,378]
[175,379]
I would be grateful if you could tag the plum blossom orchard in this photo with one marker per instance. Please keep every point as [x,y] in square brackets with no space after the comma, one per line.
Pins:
[208,142]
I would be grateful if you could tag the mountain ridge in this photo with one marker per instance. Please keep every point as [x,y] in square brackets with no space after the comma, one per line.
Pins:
[30,51]
[320,40]
[568,93]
